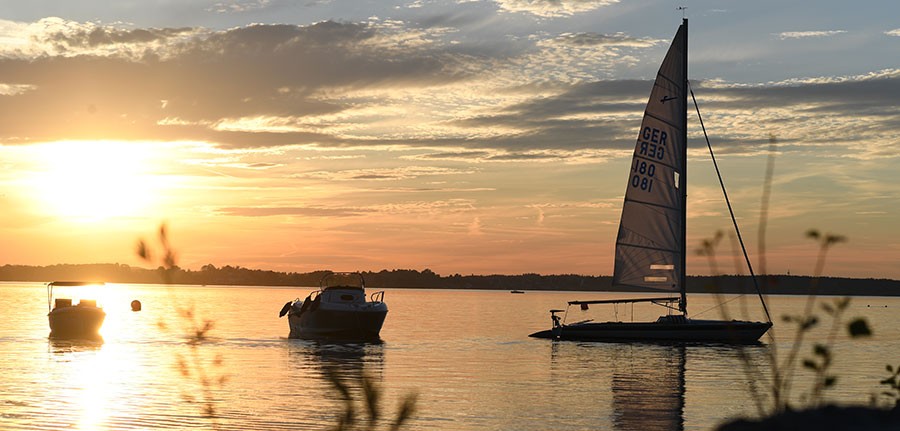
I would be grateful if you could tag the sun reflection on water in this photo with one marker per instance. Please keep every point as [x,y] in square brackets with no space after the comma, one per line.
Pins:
[95,376]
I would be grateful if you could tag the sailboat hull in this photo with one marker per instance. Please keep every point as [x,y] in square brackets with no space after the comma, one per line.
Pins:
[717,331]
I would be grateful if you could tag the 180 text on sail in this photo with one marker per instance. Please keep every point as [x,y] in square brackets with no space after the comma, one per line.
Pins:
[643,178]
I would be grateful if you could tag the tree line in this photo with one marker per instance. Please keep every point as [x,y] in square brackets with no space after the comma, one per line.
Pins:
[410,278]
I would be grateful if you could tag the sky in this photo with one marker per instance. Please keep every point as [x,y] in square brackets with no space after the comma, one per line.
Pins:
[461,136]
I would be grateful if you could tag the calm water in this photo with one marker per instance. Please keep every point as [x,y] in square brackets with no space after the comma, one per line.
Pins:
[465,353]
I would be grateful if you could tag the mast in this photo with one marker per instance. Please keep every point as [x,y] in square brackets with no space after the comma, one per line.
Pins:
[682,179]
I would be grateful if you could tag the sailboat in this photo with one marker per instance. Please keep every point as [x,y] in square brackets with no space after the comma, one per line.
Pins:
[651,243]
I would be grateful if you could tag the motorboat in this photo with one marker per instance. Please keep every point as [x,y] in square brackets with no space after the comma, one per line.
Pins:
[68,320]
[339,309]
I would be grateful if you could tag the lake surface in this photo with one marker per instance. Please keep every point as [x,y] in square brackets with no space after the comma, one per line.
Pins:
[466,354]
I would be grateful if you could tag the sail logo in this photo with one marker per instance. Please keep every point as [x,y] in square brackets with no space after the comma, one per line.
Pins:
[667,98]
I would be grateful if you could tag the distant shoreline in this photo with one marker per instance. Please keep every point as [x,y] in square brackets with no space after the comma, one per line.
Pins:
[406,278]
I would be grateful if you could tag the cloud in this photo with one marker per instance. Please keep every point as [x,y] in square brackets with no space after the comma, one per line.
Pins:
[237,6]
[808,34]
[56,37]
[553,9]
[14,89]
[272,76]
[475,228]
[894,32]
[615,39]
[382,174]
[500,156]
[385,85]
[416,207]
[95,36]
[289,211]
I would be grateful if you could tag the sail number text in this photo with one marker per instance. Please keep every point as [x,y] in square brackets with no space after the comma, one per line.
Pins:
[642,177]
[651,145]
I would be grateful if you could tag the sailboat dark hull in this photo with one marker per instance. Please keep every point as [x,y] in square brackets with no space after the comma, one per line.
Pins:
[710,331]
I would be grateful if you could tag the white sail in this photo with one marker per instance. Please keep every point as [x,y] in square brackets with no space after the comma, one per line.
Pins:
[649,246]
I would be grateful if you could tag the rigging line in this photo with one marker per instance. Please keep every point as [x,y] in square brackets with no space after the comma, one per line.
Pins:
[719,305]
[730,210]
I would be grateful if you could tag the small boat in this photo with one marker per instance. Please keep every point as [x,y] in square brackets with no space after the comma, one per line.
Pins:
[516,291]
[73,321]
[338,310]
[651,243]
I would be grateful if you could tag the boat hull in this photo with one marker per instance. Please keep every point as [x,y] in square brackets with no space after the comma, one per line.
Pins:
[712,331]
[76,322]
[338,324]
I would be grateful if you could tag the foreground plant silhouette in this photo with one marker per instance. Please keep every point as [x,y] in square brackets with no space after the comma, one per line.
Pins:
[892,394]
[812,412]
[195,367]
[351,419]
[821,360]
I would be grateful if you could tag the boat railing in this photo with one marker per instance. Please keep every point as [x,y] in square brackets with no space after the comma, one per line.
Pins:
[377,296]
[584,305]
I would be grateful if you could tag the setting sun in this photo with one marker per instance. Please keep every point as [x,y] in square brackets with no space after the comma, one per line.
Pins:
[93,180]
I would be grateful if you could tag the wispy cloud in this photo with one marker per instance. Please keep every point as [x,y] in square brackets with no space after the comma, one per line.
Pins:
[557,8]
[615,39]
[894,32]
[809,34]
[382,174]
[237,6]
[485,156]
[475,227]
[290,211]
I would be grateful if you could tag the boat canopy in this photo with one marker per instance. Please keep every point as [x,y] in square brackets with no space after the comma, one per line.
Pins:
[76,283]
[53,284]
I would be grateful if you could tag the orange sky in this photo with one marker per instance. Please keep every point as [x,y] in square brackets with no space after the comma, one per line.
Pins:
[378,144]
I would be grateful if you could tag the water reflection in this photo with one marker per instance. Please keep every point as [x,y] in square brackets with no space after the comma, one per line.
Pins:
[644,384]
[86,386]
[648,387]
[320,367]
[347,360]
[58,346]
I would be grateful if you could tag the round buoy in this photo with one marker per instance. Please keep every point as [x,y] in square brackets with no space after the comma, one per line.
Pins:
[135,305]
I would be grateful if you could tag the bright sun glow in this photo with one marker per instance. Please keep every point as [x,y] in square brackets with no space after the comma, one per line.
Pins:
[93,180]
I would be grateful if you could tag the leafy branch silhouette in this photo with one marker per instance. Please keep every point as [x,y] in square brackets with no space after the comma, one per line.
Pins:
[195,366]
[351,420]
